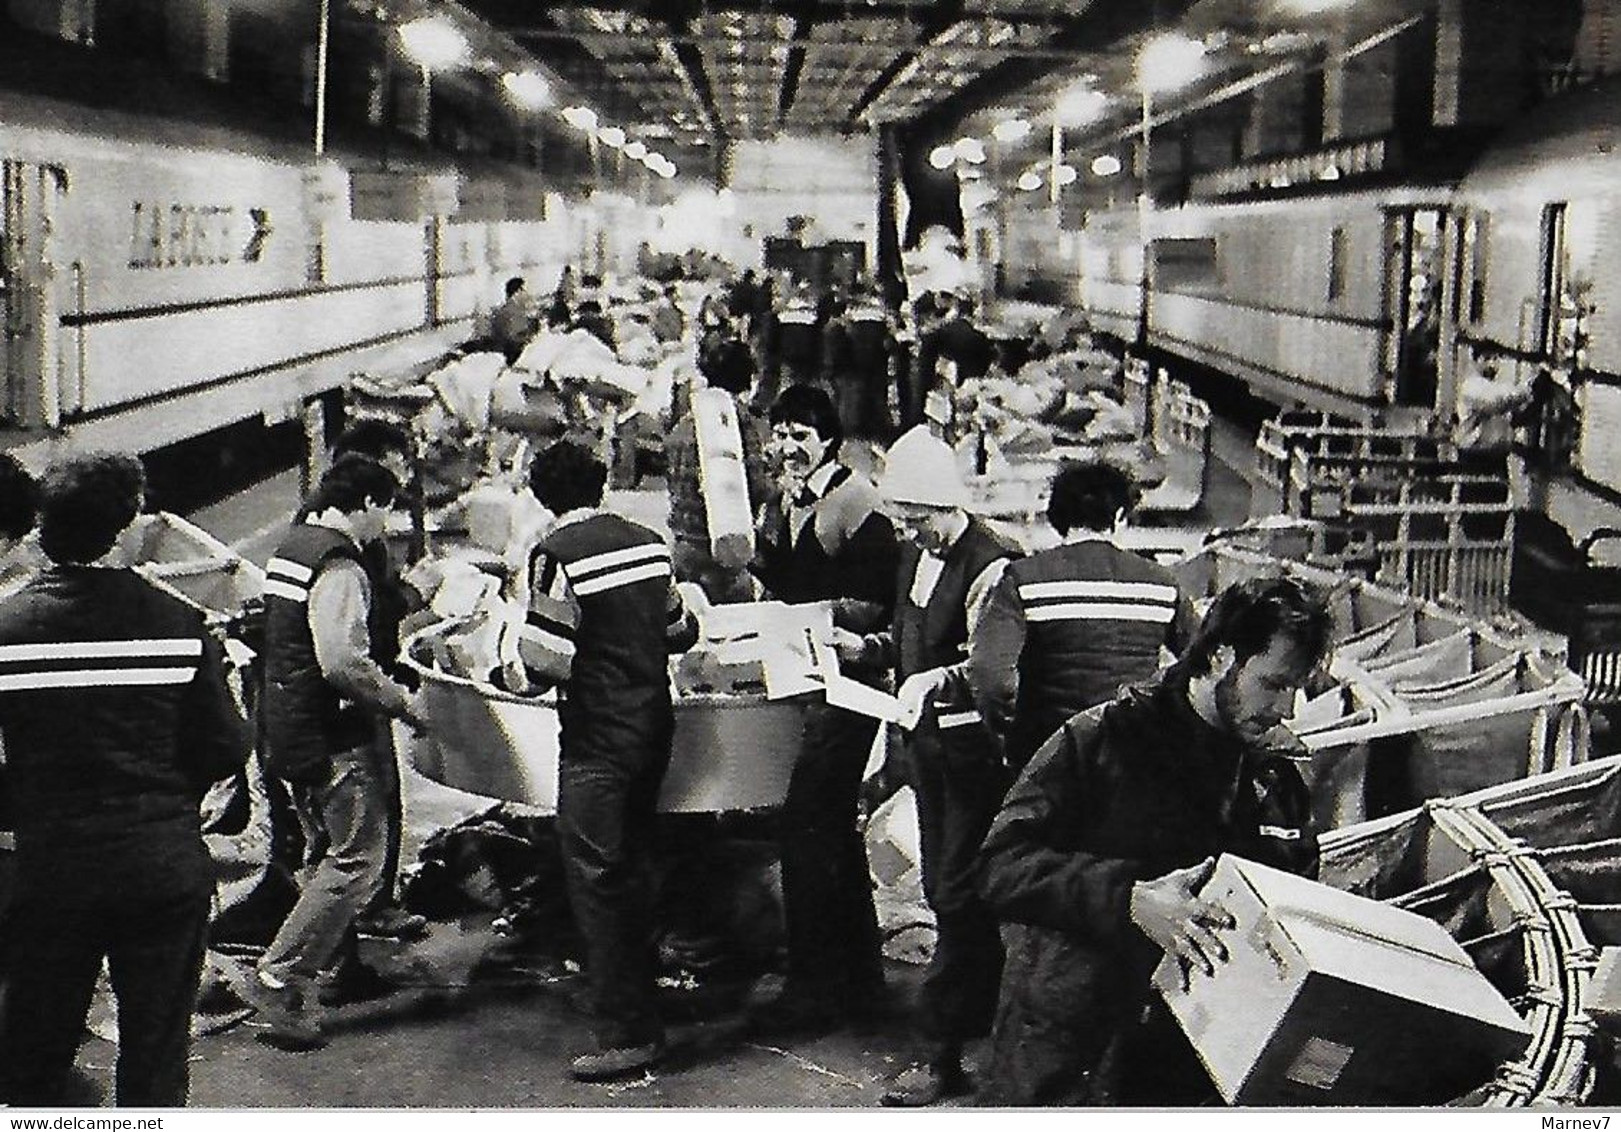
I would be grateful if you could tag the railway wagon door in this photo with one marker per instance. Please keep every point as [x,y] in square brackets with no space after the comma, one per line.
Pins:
[28,293]
[1414,273]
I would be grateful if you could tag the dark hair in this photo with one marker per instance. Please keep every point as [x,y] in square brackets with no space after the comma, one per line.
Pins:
[514,285]
[373,439]
[727,364]
[86,502]
[19,498]
[808,405]
[565,476]
[1249,615]
[349,484]
[1089,494]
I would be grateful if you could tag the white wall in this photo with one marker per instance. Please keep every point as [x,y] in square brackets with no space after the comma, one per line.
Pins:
[833,180]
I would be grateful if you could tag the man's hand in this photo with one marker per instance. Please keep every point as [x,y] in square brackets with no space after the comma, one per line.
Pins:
[914,695]
[1169,913]
[1282,741]
[693,596]
[850,647]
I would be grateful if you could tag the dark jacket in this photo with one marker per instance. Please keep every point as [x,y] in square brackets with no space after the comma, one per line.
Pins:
[1064,630]
[1127,791]
[846,551]
[306,720]
[116,720]
[935,635]
[601,587]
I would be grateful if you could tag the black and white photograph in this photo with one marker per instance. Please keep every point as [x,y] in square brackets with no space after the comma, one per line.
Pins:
[809,556]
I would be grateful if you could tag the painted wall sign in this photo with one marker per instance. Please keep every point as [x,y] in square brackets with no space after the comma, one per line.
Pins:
[189,235]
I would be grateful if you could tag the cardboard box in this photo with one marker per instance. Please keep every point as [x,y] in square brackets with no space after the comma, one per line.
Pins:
[1333,999]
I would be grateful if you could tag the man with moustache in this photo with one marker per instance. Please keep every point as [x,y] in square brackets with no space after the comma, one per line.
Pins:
[824,538]
[1095,861]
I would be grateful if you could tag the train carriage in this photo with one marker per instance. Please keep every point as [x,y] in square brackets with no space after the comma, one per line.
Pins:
[161,280]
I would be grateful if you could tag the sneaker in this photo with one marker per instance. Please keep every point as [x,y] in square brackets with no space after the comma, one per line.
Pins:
[392,922]
[289,1023]
[918,1086]
[615,1061]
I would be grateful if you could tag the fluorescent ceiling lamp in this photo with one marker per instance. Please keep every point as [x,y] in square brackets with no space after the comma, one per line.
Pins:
[1030,182]
[611,136]
[1010,130]
[635,151]
[1067,174]
[941,156]
[434,42]
[971,150]
[1314,7]
[528,88]
[1105,165]
[1169,61]
[581,118]
[1081,103]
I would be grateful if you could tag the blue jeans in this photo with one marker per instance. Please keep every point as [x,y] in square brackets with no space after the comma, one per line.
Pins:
[346,831]
[606,808]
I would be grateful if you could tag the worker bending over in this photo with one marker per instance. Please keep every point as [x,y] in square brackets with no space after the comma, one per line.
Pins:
[1095,860]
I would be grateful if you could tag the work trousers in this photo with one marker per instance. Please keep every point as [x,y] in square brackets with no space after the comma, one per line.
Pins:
[394,804]
[956,800]
[346,834]
[607,796]
[51,956]
[834,948]
[862,404]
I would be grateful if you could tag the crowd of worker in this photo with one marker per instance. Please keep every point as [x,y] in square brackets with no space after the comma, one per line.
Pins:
[1081,745]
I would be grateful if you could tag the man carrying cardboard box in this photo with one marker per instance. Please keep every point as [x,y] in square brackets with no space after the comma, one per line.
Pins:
[1094,862]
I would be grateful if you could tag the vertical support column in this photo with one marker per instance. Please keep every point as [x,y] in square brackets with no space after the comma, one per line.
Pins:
[199,36]
[412,100]
[315,446]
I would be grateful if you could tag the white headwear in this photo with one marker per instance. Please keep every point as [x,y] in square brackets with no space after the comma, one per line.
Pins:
[922,468]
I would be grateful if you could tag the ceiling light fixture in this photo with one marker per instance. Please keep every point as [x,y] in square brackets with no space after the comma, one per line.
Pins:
[971,150]
[1029,182]
[611,136]
[527,88]
[434,42]
[1067,174]
[1010,130]
[1168,61]
[635,151]
[941,156]
[1081,104]
[581,118]
[1105,165]
[1315,7]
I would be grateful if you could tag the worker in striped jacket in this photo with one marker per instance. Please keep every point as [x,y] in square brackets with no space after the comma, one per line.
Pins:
[603,614]
[116,719]
[1065,628]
